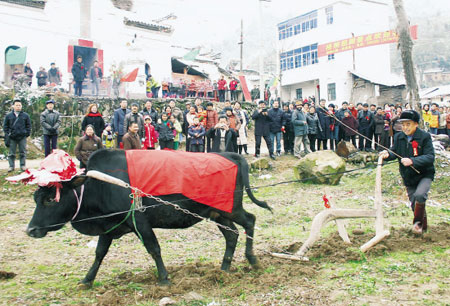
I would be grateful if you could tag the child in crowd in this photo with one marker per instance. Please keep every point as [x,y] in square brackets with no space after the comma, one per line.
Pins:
[197,132]
[108,137]
[151,137]
[176,131]
[201,114]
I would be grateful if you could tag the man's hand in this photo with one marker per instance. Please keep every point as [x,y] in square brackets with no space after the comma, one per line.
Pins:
[159,121]
[384,154]
[406,162]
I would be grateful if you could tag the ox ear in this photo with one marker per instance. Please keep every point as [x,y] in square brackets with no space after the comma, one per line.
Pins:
[77,181]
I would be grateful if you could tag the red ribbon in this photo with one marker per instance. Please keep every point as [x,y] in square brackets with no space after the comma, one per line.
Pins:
[367,118]
[415,147]
[326,202]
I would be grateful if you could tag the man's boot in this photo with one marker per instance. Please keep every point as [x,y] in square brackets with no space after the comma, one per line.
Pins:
[240,149]
[419,222]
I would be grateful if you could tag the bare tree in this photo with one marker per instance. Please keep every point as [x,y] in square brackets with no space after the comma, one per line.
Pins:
[405,44]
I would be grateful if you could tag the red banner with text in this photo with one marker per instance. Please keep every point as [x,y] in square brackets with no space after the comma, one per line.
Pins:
[362,41]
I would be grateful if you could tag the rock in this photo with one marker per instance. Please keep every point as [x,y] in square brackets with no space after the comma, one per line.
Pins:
[345,149]
[317,164]
[262,163]
[166,301]
[193,296]
[358,232]
[444,140]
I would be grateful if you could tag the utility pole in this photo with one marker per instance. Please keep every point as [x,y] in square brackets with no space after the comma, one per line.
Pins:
[261,62]
[85,19]
[405,44]
[242,46]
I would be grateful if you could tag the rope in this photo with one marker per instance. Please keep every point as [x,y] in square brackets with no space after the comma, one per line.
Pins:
[361,135]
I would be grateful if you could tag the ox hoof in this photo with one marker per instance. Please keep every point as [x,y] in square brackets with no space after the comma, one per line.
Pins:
[256,266]
[84,285]
[164,283]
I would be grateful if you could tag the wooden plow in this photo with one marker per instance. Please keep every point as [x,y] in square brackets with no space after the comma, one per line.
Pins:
[337,214]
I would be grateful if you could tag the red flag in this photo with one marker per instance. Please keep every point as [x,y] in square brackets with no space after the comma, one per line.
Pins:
[130,77]
[247,95]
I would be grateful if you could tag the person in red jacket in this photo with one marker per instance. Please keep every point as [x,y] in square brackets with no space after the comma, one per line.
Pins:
[212,119]
[150,134]
[233,86]
[221,87]
[353,110]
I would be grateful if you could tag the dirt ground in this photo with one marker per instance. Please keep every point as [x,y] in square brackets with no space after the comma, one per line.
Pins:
[401,270]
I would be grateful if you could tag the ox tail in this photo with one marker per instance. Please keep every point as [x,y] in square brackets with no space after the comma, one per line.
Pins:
[246,181]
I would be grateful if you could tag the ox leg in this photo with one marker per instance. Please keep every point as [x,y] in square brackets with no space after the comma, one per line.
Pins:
[247,221]
[103,244]
[231,239]
[153,248]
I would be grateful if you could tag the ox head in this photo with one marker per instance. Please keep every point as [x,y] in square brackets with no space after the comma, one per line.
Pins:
[50,215]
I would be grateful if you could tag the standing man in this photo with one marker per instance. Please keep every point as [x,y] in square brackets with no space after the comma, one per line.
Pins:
[134,116]
[222,86]
[131,140]
[150,111]
[54,77]
[212,119]
[233,86]
[340,114]
[416,149]
[79,74]
[50,122]
[277,124]
[300,130]
[42,77]
[262,128]
[288,132]
[255,93]
[17,127]
[96,75]
[119,119]
[366,124]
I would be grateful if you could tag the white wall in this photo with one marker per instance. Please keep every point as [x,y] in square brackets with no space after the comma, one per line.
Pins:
[357,17]
[48,33]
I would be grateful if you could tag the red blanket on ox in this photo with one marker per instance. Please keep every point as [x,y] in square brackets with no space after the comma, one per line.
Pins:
[209,179]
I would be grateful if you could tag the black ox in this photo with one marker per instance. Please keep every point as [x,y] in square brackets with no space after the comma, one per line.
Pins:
[101,198]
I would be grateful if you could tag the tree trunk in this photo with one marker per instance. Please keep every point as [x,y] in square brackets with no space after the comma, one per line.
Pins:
[405,44]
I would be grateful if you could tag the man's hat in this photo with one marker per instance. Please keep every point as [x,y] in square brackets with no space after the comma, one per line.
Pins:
[134,104]
[298,103]
[409,114]
[365,105]
[261,102]
[50,101]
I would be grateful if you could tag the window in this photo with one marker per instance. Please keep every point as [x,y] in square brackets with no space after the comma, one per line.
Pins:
[331,57]
[299,94]
[332,92]
[329,13]
[297,25]
[298,58]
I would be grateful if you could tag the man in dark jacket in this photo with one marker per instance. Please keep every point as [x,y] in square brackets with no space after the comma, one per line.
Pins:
[42,77]
[134,116]
[222,136]
[79,74]
[96,75]
[50,122]
[119,118]
[17,127]
[150,111]
[366,124]
[54,77]
[378,127]
[416,150]
[276,125]
[262,128]
[288,132]
[340,115]
[131,139]
[300,125]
